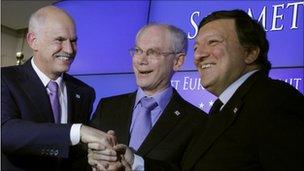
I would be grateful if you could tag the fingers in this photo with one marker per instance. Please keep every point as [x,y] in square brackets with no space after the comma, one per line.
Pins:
[92,135]
[112,136]
[98,165]
[105,155]
[120,157]
[107,152]
[126,165]
[115,166]
[96,146]
[127,153]
[89,134]
[105,166]
[121,148]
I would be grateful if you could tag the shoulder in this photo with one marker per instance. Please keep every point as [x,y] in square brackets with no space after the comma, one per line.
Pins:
[122,98]
[75,81]
[191,112]
[185,104]
[10,71]
[13,75]
[114,105]
[275,89]
[273,98]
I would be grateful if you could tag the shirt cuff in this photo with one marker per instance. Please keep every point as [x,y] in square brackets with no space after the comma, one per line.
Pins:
[75,134]
[138,164]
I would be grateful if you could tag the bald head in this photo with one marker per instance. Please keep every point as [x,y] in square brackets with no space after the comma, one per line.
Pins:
[47,15]
[52,36]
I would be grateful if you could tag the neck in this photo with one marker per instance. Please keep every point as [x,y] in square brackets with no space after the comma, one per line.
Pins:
[44,70]
[154,91]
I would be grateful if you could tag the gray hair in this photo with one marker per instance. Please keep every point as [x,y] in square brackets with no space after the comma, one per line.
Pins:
[38,18]
[179,41]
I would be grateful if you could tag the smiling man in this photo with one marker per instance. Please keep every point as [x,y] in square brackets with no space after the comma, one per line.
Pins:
[41,105]
[257,123]
[163,130]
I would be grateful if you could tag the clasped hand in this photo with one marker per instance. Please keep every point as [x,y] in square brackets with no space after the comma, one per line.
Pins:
[104,152]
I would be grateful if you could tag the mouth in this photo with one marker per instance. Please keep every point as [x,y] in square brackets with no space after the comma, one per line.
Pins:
[145,72]
[64,57]
[206,66]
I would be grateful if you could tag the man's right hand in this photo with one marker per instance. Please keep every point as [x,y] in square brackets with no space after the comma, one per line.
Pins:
[126,153]
[92,135]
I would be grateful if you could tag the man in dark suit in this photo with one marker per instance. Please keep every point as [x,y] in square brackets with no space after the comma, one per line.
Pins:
[159,52]
[257,123]
[36,121]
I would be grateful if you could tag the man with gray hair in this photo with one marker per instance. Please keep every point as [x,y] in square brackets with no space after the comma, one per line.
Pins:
[154,121]
[42,107]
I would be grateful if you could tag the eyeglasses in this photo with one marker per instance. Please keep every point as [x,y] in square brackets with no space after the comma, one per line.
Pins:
[151,53]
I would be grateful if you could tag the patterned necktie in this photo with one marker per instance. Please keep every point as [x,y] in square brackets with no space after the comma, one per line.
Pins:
[142,124]
[216,107]
[53,87]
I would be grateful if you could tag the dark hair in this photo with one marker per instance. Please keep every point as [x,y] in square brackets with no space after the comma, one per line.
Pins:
[251,33]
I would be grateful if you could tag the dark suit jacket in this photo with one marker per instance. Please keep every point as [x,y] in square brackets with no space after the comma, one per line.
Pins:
[260,128]
[30,139]
[169,137]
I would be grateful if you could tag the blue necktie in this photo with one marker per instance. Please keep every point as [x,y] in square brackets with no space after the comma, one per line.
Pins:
[142,124]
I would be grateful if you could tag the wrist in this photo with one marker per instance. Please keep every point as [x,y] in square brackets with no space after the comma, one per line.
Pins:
[131,159]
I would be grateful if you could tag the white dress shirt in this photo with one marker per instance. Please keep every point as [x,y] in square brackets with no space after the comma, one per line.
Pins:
[230,90]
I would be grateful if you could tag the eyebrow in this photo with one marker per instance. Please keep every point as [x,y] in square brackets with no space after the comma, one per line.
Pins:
[154,48]
[64,38]
[74,39]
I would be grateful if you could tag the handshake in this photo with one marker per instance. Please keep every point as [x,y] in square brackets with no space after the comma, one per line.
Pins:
[104,153]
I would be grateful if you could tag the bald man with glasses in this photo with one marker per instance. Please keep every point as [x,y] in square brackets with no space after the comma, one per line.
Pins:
[154,121]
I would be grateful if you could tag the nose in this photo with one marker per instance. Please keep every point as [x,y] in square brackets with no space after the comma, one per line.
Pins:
[69,47]
[142,59]
[201,53]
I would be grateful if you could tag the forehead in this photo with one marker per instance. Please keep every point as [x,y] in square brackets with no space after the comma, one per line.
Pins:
[59,27]
[220,27]
[154,37]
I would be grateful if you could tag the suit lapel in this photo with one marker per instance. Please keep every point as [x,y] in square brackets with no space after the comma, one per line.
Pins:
[125,118]
[74,98]
[167,121]
[219,122]
[35,90]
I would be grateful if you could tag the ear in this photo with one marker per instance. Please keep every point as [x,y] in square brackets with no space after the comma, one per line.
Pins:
[178,61]
[32,40]
[252,55]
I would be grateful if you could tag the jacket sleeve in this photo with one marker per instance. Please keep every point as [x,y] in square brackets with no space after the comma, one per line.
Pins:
[21,137]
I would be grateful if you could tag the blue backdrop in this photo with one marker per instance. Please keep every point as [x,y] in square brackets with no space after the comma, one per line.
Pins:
[106,30]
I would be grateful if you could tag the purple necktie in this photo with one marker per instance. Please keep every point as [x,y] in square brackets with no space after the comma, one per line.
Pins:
[142,124]
[53,87]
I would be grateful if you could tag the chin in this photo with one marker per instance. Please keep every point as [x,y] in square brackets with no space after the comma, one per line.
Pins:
[203,83]
[65,69]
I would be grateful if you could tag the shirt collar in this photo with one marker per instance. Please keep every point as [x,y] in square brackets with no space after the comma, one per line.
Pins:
[227,94]
[45,79]
[162,98]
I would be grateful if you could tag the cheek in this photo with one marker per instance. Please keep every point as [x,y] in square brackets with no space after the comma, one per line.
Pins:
[219,53]
[135,61]
[54,47]
[74,47]
[196,57]
[165,70]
